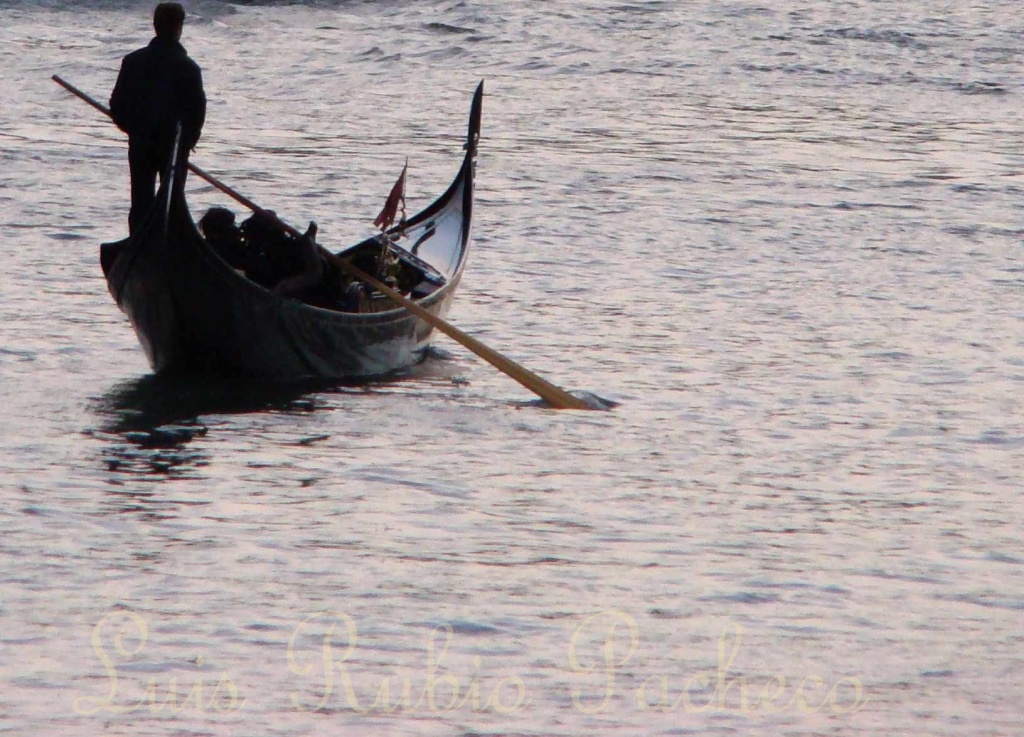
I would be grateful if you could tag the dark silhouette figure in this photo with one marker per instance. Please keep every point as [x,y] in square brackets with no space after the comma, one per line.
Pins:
[219,228]
[288,266]
[299,270]
[157,87]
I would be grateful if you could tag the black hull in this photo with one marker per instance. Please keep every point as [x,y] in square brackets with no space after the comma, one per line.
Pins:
[192,312]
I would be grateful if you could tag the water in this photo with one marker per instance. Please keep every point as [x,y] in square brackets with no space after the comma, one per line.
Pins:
[785,237]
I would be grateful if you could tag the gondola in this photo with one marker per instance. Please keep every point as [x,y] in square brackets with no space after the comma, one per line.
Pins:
[192,312]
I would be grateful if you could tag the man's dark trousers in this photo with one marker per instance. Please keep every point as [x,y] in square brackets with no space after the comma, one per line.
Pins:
[145,163]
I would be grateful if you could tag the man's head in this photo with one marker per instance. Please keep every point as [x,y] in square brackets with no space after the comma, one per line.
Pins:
[216,222]
[168,19]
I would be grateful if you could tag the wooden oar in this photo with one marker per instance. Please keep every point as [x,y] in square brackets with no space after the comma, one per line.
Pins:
[557,397]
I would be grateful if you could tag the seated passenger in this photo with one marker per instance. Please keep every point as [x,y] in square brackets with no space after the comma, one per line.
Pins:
[298,267]
[219,229]
[265,242]
[235,245]
[306,266]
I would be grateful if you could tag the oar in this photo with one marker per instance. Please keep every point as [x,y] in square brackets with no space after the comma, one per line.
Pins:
[557,397]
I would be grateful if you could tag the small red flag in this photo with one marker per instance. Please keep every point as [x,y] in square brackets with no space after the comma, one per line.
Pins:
[387,215]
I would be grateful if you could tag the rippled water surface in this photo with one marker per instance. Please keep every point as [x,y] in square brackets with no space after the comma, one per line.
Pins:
[785,237]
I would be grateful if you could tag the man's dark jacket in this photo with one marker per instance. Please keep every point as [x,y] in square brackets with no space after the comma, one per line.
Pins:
[157,86]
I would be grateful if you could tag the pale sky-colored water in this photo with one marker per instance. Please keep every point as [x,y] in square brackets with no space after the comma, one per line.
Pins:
[785,237]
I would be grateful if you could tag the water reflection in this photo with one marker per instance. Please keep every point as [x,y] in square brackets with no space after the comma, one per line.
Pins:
[149,423]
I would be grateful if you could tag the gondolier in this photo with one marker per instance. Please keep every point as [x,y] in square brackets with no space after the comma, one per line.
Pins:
[158,87]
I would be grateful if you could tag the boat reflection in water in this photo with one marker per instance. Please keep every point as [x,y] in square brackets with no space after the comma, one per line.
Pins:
[148,424]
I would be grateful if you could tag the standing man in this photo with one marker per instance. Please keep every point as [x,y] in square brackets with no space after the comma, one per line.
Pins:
[157,87]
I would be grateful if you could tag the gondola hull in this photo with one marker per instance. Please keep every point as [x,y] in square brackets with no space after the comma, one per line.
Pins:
[193,312]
